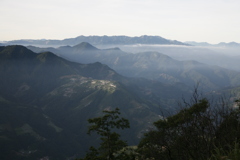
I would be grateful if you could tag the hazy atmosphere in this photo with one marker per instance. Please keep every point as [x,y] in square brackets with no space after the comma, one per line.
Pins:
[119,80]
[186,20]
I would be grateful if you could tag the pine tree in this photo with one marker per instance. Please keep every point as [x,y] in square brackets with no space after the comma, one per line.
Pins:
[110,140]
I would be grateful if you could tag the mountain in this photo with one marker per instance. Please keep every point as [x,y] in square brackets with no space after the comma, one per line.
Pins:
[99,40]
[84,46]
[157,66]
[226,57]
[45,102]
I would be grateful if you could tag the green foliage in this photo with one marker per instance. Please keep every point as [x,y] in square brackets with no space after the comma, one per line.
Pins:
[127,153]
[221,154]
[110,140]
[199,132]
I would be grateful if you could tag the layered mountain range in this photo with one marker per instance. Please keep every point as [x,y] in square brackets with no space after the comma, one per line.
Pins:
[48,94]
[151,65]
[46,101]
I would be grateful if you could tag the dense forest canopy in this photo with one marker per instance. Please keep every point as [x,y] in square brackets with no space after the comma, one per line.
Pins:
[199,131]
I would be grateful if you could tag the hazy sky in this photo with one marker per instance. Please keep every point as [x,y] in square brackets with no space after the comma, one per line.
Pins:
[184,20]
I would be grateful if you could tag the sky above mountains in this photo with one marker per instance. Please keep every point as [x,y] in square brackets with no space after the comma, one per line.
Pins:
[183,20]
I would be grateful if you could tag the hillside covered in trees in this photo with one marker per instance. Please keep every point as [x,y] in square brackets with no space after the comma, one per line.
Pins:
[199,131]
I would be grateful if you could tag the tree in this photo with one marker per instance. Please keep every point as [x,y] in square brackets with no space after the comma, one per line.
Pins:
[198,131]
[181,135]
[228,132]
[110,140]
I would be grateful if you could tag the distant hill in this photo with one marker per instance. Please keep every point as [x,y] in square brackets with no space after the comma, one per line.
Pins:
[100,40]
[45,102]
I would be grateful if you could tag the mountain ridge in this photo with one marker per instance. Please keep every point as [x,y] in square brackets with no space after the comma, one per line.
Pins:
[100,40]
[156,66]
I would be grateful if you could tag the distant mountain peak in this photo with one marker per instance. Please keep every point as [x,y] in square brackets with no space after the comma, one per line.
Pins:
[85,46]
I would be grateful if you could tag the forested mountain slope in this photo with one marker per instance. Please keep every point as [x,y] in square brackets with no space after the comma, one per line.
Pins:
[46,101]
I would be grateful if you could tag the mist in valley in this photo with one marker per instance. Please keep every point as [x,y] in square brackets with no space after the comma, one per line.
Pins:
[222,56]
